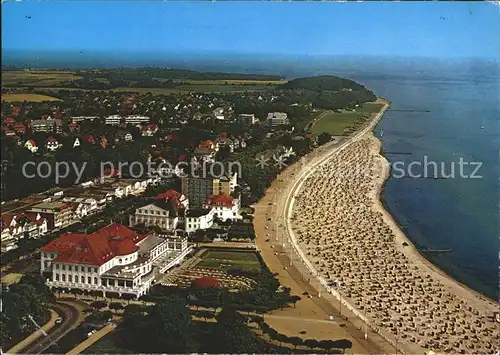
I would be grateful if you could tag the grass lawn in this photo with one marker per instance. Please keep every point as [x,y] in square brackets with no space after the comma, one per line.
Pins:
[11,278]
[28,97]
[229,259]
[372,107]
[338,123]
[107,345]
[246,209]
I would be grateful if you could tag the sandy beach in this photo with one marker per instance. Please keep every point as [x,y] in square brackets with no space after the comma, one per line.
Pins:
[341,227]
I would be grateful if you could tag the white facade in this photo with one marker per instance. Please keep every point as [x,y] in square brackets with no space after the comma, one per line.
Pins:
[132,273]
[16,229]
[113,120]
[248,118]
[153,215]
[198,219]
[136,119]
[77,119]
[277,118]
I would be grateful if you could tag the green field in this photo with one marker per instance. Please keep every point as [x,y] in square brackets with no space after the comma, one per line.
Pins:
[49,80]
[181,89]
[236,82]
[27,97]
[186,88]
[246,260]
[343,122]
[36,78]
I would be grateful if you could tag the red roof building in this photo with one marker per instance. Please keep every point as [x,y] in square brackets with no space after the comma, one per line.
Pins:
[112,259]
[225,207]
[10,122]
[15,226]
[177,198]
[207,144]
[20,128]
[96,248]
[221,200]
[74,127]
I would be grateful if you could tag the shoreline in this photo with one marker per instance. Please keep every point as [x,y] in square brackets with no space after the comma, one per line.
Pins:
[410,251]
[390,219]
[410,242]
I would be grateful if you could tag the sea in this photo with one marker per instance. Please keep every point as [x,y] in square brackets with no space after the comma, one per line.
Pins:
[443,111]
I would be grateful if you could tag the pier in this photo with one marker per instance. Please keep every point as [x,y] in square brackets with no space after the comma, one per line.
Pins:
[436,250]
[408,110]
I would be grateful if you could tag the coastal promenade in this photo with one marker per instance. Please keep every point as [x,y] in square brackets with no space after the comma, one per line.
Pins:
[276,251]
[336,229]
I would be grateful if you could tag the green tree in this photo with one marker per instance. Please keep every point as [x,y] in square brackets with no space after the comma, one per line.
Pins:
[311,343]
[117,306]
[324,138]
[134,329]
[343,344]
[232,334]
[98,305]
[295,341]
[38,282]
[170,325]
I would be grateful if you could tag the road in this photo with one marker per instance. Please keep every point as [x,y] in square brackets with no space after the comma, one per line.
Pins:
[284,210]
[70,315]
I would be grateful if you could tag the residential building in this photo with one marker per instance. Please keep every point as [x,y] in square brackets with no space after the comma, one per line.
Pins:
[58,214]
[219,113]
[277,118]
[136,119]
[282,153]
[224,141]
[114,259]
[84,206]
[247,118]
[159,213]
[31,146]
[131,119]
[198,218]
[149,130]
[77,119]
[74,127]
[225,207]
[199,189]
[43,125]
[17,226]
[52,144]
[20,128]
[205,151]
[113,120]
[180,200]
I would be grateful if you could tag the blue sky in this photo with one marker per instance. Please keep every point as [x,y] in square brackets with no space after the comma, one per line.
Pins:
[428,29]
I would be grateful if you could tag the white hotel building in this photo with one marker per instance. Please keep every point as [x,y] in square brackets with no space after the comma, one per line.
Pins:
[114,259]
[115,120]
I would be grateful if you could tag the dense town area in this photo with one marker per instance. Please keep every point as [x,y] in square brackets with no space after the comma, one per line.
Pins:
[133,209]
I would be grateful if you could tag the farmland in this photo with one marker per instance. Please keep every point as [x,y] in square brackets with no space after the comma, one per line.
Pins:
[27,97]
[36,78]
[69,80]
